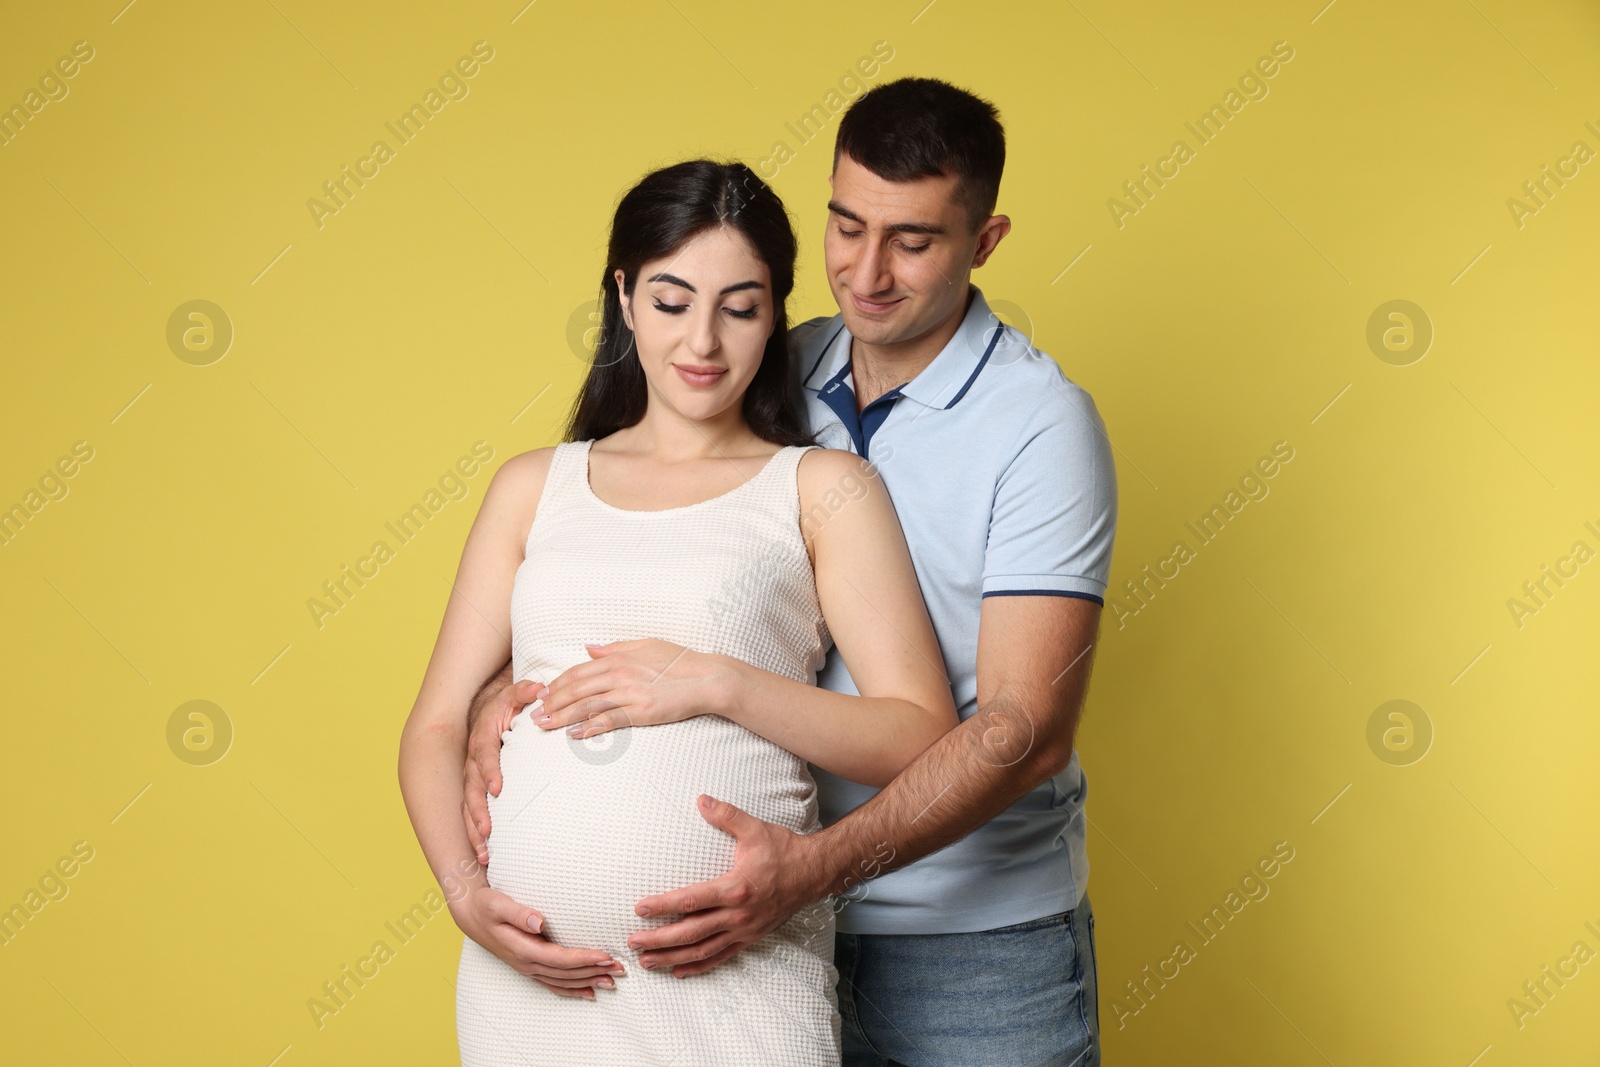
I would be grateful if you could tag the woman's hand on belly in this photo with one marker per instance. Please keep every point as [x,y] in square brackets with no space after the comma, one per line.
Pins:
[508,929]
[634,683]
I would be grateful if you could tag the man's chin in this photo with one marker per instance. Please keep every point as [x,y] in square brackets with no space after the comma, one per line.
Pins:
[872,330]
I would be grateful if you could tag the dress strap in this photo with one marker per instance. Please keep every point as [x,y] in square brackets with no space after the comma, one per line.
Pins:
[787,464]
[567,478]
[789,460]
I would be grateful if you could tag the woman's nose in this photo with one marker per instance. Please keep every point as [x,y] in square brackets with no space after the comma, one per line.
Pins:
[702,338]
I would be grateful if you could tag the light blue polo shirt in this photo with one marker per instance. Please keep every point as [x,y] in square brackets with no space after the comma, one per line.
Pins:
[1003,479]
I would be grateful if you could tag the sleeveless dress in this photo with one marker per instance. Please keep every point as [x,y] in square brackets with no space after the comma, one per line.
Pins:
[582,830]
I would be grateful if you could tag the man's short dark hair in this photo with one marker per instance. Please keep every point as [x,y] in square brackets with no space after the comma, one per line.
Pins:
[921,127]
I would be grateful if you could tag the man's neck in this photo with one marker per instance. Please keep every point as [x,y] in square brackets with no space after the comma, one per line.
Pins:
[876,369]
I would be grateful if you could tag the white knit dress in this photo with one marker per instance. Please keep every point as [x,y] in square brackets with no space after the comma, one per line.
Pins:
[582,830]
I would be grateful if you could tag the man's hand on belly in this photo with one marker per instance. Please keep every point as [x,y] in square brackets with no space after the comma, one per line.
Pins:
[775,873]
[490,716]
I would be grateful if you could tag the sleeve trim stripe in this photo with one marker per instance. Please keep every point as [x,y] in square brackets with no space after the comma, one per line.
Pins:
[1046,592]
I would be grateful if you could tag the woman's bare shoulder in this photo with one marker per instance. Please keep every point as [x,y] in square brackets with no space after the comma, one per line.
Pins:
[822,469]
[527,469]
[831,478]
[517,484]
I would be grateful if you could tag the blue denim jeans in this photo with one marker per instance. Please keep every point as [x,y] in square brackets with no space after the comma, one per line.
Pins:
[1016,996]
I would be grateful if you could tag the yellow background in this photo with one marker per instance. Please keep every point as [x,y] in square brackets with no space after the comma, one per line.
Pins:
[435,310]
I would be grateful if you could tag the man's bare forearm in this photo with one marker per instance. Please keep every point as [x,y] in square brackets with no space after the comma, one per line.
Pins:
[960,782]
[497,682]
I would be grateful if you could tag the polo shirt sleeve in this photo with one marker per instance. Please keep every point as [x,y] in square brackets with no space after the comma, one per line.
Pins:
[1055,508]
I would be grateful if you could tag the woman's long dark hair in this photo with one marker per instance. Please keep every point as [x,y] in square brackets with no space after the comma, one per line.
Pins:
[665,209]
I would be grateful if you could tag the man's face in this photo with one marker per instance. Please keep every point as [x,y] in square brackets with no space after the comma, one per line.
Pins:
[898,254]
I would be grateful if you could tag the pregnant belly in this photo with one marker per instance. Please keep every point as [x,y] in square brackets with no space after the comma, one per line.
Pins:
[582,830]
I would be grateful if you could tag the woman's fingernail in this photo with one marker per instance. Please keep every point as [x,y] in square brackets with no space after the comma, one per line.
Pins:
[576,731]
[608,983]
[543,719]
[541,694]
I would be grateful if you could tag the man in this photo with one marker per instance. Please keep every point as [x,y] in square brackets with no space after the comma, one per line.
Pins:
[965,935]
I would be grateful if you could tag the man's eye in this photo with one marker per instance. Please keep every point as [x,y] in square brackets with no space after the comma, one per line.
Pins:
[915,248]
[747,313]
[671,309]
[849,233]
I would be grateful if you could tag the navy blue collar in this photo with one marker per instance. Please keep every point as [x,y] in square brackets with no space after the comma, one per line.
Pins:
[839,395]
[942,382]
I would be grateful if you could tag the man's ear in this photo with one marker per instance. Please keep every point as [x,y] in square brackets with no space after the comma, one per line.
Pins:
[989,235]
[622,295]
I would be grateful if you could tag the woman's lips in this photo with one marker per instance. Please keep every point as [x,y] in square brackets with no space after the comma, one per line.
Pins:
[873,307]
[696,375]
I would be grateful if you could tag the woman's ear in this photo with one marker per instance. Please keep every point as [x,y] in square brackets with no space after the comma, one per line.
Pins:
[622,295]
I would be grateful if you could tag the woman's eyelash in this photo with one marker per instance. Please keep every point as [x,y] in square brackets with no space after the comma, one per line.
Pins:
[675,309]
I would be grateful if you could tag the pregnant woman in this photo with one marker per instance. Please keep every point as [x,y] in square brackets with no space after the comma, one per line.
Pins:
[685,505]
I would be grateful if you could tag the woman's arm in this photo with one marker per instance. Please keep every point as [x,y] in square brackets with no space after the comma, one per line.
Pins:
[473,641]
[869,596]
[468,648]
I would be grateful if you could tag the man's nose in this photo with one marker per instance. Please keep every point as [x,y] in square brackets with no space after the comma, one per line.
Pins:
[871,273]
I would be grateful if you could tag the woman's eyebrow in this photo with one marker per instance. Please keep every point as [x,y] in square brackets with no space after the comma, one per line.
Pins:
[673,279]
